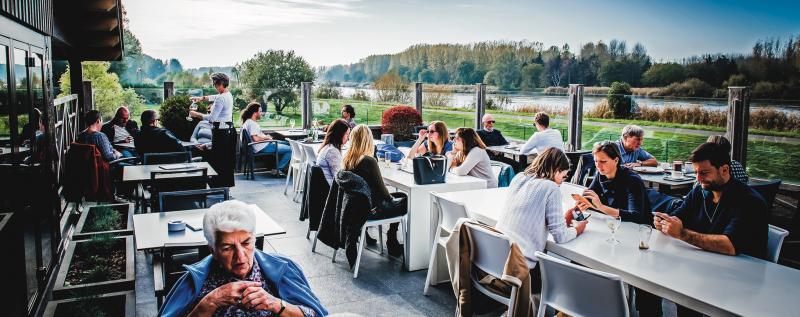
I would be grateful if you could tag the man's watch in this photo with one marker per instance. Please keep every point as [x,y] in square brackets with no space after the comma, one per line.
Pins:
[282,309]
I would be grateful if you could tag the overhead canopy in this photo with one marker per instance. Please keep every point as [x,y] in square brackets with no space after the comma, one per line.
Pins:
[88,30]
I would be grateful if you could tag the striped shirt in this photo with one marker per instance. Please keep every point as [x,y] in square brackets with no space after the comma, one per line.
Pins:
[533,209]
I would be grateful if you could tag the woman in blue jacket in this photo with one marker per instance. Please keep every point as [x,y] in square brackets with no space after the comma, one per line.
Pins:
[236,279]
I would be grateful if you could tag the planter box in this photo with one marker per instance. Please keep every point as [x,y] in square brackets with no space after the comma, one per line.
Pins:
[61,291]
[125,209]
[120,304]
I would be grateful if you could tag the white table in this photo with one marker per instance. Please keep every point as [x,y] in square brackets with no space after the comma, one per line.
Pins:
[711,283]
[150,230]
[132,146]
[422,219]
[139,173]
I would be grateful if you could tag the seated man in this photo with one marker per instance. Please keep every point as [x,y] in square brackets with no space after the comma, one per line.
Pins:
[348,115]
[92,135]
[121,129]
[630,146]
[152,139]
[237,279]
[489,135]
[721,215]
[543,139]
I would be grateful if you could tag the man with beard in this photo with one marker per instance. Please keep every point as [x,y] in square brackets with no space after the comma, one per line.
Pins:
[722,215]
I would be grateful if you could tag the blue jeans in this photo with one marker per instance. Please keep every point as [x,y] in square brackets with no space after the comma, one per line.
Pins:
[284,153]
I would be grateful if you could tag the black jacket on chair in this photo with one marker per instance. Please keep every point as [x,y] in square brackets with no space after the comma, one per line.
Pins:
[315,192]
[346,211]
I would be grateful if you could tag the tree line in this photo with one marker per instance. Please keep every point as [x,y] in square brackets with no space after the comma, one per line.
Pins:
[772,68]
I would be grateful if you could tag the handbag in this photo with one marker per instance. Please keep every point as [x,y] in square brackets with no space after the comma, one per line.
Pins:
[429,169]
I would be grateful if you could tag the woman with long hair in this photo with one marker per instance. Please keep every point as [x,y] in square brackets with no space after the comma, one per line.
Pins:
[250,117]
[435,140]
[616,190]
[359,160]
[533,208]
[329,157]
[469,157]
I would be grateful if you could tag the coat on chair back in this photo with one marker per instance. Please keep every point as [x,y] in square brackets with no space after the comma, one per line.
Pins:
[346,211]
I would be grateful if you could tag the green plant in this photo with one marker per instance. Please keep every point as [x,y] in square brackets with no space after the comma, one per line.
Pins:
[173,112]
[103,219]
[620,101]
[400,121]
[360,95]
[328,92]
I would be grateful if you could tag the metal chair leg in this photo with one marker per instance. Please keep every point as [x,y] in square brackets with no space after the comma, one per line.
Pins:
[361,242]
[380,237]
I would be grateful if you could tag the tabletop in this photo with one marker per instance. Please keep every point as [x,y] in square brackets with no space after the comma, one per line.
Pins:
[150,230]
[138,173]
[508,149]
[708,282]
[131,145]
[658,178]
[405,181]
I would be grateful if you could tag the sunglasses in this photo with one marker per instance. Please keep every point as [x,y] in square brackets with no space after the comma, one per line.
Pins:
[490,121]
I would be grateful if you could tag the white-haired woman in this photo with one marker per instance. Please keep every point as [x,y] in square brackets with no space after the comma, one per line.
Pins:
[236,279]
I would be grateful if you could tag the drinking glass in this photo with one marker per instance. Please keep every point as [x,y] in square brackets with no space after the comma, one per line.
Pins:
[192,107]
[644,236]
[388,159]
[291,124]
[613,224]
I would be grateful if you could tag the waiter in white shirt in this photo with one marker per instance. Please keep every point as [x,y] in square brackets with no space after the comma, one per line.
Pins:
[223,134]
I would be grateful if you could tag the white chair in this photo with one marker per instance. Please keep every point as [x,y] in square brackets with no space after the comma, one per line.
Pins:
[449,213]
[774,242]
[295,165]
[379,224]
[580,291]
[309,157]
[490,252]
[370,223]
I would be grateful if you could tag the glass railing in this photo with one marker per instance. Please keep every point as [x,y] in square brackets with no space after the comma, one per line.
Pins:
[674,126]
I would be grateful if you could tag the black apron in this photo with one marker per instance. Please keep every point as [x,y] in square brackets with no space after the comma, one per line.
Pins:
[223,154]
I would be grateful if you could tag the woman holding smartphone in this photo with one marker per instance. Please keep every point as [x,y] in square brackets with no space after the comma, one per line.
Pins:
[534,209]
[616,190]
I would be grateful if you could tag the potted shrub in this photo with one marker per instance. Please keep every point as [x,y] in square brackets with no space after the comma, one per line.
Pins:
[102,264]
[114,219]
[400,121]
[118,304]
[173,113]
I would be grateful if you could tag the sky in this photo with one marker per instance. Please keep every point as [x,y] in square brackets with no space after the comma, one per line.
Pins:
[328,32]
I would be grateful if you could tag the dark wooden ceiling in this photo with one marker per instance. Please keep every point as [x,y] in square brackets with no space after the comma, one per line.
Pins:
[88,30]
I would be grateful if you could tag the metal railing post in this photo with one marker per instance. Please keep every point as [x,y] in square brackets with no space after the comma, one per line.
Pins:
[575,120]
[738,122]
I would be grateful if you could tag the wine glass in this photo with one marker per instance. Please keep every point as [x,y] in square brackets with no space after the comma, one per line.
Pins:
[291,124]
[192,107]
[613,224]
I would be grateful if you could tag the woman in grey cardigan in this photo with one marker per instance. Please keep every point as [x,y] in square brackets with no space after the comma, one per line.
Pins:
[533,208]
[329,157]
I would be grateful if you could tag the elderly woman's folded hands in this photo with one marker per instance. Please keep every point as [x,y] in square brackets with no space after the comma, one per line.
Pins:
[230,294]
[256,298]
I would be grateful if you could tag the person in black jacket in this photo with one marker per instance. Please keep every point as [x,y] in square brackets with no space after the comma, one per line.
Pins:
[616,190]
[152,139]
[125,125]
[359,160]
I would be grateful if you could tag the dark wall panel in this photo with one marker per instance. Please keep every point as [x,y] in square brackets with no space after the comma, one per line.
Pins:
[36,14]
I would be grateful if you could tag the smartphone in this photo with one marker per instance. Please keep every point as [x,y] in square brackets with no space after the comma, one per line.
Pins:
[578,198]
[580,216]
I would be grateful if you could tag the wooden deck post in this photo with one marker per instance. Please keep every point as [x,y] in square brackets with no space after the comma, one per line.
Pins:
[307,112]
[169,89]
[418,97]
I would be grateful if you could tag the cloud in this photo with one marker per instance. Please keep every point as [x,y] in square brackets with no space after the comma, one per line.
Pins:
[160,24]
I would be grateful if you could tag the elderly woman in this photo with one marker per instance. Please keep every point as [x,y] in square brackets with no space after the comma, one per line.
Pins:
[236,279]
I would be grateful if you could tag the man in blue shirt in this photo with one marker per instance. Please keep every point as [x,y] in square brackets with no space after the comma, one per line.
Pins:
[722,215]
[630,148]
